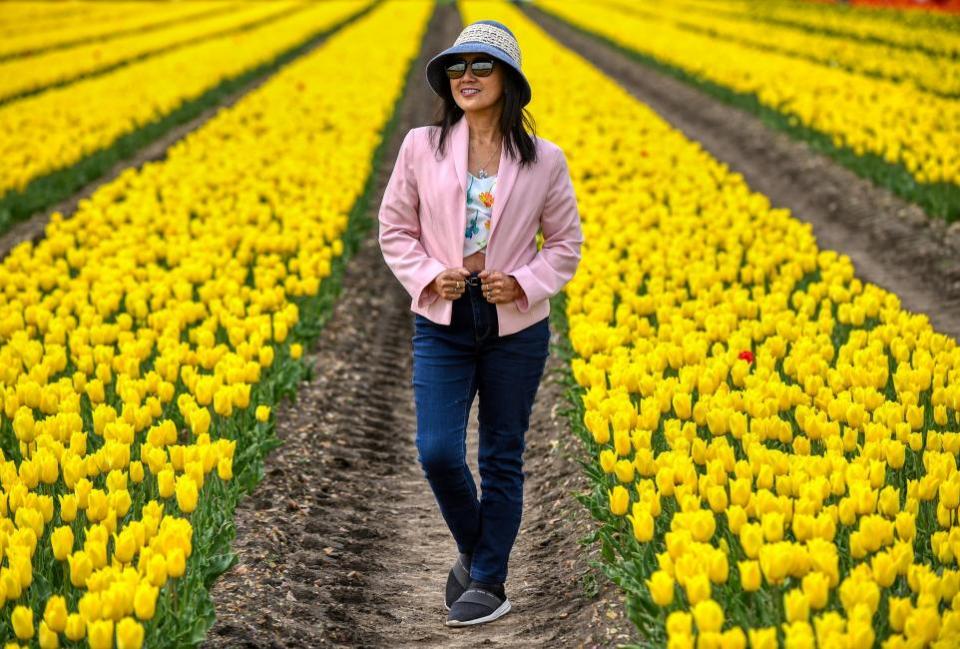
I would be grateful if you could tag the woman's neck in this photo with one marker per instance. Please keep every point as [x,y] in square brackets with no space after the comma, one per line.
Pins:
[484,126]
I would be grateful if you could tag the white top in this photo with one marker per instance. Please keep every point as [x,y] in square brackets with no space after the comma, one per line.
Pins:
[479,211]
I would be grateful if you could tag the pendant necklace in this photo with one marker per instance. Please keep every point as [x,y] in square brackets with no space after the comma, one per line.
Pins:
[482,172]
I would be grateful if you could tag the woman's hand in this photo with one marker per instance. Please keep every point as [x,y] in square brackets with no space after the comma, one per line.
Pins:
[499,287]
[451,283]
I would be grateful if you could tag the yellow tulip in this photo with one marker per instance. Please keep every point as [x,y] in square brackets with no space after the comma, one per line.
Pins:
[763,638]
[796,605]
[22,621]
[225,468]
[697,588]
[80,567]
[816,587]
[708,616]
[751,539]
[680,623]
[200,421]
[900,609]
[619,500]
[129,634]
[176,563]
[884,569]
[100,634]
[166,483]
[62,542]
[296,351]
[661,588]
[55,613]
[47,638]
[608,460]
[263,413]
[76,627]
[145,599]
[643,525]
[187,494]
[624,470]
[124,545]
[750,579]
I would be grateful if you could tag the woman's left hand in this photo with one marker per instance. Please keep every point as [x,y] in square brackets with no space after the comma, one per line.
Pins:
[499,287]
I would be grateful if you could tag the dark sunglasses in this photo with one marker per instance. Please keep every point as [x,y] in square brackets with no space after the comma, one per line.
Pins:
[480,67]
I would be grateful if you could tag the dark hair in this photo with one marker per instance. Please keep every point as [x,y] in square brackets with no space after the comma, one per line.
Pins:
[515,120]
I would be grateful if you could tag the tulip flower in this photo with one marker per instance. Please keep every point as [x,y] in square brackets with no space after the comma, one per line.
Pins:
[22,621]
[619,500]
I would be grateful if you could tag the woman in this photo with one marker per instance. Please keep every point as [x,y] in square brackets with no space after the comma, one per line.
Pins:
[458,226]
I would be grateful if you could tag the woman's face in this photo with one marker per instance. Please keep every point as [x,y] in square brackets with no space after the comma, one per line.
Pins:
[473,93]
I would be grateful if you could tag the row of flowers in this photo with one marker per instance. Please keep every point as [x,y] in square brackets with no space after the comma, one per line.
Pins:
[775,442]
[57,128]
[22,75]
[938,74]
[932,33]
[144,341]
[32,28]
[893,123]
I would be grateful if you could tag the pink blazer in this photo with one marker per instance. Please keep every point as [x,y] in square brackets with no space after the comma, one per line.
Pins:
[423,217]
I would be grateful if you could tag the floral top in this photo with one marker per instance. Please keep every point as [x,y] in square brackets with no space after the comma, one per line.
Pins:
[479,210]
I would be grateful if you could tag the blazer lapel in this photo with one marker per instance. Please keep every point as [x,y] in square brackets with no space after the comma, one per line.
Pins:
[506,175]
[460,140]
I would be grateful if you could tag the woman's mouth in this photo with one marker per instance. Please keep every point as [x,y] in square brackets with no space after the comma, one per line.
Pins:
[469,92]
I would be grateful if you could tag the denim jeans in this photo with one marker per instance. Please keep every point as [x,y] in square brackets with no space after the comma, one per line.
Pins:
[451,363]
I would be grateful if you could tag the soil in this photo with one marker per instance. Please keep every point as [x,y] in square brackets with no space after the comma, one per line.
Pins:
[892,243]
[342,543]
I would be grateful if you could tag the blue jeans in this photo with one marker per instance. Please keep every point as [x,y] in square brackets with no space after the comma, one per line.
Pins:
[451,363]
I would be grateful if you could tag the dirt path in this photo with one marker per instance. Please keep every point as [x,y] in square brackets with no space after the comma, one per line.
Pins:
[342,544]
[892,242]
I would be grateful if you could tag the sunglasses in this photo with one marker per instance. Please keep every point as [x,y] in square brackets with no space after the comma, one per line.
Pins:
[480,67]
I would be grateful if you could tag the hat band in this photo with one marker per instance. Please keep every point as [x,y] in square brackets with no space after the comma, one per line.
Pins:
[490,35]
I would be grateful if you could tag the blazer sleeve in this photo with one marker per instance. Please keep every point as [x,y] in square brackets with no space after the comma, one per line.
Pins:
[557,261]
[399,233]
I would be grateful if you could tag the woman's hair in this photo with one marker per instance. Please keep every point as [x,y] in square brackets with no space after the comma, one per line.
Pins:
[515,120]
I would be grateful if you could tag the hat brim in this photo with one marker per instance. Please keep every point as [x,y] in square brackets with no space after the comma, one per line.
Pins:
[437,78]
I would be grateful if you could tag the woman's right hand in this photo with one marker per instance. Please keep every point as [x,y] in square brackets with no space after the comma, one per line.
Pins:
[451,283]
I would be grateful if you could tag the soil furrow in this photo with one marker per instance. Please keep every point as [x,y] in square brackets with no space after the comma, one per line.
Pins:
[892,243]
[348,549]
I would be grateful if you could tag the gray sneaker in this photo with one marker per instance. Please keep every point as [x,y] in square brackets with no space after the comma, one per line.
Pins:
[458,580]
[479,603]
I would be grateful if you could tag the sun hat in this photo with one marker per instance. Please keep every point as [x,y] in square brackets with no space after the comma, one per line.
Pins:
[487,37]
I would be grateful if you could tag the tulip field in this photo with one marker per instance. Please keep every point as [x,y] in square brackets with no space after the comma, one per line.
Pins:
[887,109]
[144,340]
[775,441]
[53,140]
[771,443]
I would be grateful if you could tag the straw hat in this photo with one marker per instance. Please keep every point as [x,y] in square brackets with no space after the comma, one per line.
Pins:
[487,37]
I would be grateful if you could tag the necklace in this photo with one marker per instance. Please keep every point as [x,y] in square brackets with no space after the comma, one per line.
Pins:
[482,172]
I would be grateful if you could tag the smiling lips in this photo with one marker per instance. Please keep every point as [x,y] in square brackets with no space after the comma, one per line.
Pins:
[469,92]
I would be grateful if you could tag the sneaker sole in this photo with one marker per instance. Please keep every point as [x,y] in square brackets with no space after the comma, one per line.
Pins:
[500,612]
